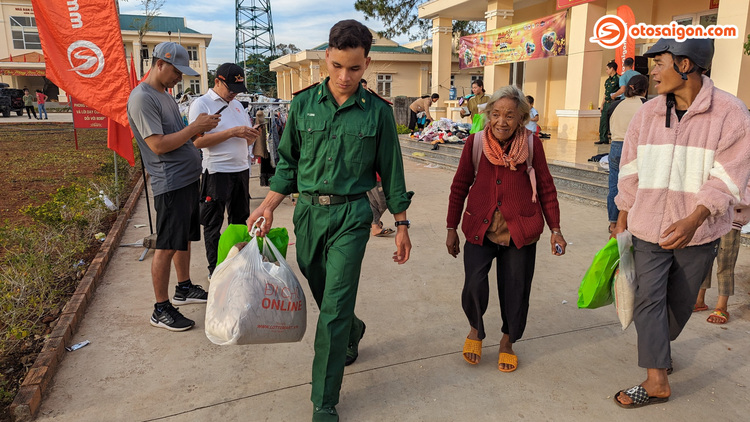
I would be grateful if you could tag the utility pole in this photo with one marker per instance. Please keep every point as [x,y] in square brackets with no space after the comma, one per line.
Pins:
[254,40]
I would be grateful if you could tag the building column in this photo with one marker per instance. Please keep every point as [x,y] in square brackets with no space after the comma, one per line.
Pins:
[314,73]
[424,82]
[204,68]
[728,53]
[287,85]
[294,80]
[442,54]
[62,96]
[280,86]
[580,118]
[137,58]
[499,14]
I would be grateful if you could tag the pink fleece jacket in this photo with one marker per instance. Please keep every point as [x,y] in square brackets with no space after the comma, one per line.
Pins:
[665,173]
[742,211]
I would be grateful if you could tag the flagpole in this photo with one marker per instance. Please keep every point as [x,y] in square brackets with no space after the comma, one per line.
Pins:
[117,186]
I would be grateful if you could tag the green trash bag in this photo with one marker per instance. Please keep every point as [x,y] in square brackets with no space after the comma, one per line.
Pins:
[477,123]
[596,286]
[236,233]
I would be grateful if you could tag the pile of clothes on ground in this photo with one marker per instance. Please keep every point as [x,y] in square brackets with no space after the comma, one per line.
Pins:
[444,131]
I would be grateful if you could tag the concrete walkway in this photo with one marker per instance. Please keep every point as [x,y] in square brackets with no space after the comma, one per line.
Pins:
[571,361]
[66,117]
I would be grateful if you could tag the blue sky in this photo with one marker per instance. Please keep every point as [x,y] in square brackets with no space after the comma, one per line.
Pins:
[299,22]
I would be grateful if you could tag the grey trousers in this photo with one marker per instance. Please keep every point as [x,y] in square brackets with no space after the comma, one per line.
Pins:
[377,202]
[667,284]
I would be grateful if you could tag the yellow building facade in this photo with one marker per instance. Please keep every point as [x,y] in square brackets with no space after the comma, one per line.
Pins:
[568,89]
[22,60]
[395,70]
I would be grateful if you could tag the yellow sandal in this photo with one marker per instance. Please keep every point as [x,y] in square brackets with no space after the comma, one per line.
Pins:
[507,359]
[472,347]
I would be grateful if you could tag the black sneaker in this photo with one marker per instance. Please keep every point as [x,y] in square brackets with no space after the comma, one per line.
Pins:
[171,319]
[193,294]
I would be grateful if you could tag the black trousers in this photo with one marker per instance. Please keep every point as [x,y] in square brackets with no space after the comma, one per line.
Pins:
[515,270]
[30,110]
[220,192]
[267,170]
[412,120]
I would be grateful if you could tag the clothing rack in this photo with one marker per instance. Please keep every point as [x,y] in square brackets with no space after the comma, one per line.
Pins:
[269,103]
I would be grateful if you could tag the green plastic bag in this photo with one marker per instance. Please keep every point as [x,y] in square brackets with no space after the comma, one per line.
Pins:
[477,123]
[596,286]
[236,233]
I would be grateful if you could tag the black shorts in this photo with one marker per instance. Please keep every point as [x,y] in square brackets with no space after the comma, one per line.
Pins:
[177,218]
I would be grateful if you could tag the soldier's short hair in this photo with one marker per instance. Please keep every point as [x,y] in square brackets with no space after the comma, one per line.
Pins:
[350,34]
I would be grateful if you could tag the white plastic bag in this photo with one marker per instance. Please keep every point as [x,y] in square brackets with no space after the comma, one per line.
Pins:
[624,285]
[254,301]
[625,246]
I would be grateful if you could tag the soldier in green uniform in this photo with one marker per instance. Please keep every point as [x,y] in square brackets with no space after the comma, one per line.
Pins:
[337,136]
[611,85]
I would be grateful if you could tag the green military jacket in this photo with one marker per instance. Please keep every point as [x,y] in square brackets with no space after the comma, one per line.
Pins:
[336,150]
[611,85]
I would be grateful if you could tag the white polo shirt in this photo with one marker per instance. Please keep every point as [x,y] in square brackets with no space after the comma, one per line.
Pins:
[232,155]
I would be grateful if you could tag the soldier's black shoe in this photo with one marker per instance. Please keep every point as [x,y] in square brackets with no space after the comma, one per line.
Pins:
[352,350]
[325,414]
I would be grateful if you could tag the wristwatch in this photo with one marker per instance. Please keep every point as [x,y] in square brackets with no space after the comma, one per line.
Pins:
[403,223]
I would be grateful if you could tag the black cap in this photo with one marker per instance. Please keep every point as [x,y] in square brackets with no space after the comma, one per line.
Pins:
[233,76]
[699,50]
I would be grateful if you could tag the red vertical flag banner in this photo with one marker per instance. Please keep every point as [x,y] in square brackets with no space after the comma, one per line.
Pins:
[119,137]
[627,49]
[84,56]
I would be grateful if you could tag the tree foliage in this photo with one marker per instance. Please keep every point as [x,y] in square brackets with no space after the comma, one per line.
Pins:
[260,79]
[284,49]
[402,17]
[151,9]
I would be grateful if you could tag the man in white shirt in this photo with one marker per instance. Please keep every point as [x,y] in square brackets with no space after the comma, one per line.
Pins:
[226,172]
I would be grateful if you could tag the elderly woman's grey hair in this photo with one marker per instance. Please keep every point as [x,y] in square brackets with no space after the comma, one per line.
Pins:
[514,94]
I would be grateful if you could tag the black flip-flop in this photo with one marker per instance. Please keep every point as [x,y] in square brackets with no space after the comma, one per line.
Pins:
[640,398]
[385,232]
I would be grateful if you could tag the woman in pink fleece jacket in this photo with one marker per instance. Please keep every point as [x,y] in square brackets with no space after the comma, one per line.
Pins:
[683,169]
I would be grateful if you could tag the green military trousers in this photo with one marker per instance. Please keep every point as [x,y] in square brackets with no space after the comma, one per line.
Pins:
[331,241]
[604,124]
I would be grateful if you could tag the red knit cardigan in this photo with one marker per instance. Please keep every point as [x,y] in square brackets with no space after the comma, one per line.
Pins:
[510,191]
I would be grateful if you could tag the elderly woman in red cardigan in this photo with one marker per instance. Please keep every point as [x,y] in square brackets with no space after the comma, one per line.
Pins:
[504,173]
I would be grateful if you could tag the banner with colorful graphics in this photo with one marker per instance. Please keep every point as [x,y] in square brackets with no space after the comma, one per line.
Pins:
[564,4]
[626,49]
[520,42]
[82,45]
[22,72]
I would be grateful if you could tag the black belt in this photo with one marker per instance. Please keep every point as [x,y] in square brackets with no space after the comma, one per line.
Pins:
[331,199]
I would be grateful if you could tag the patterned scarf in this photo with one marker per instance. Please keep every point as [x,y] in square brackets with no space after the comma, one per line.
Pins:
[517,153]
